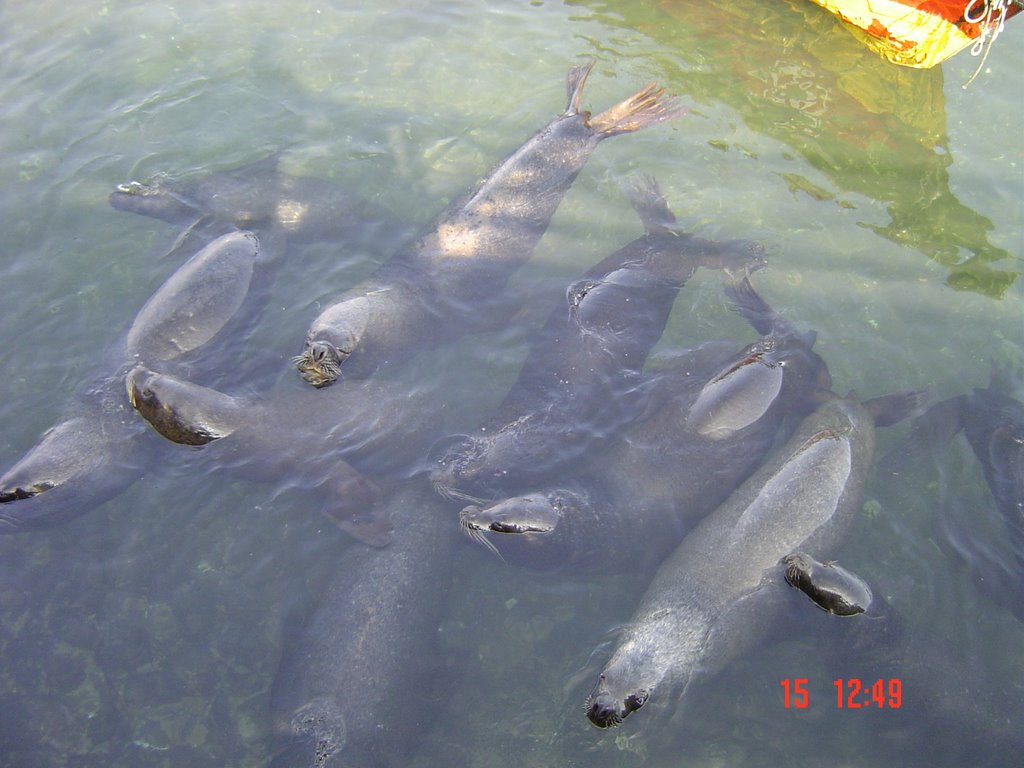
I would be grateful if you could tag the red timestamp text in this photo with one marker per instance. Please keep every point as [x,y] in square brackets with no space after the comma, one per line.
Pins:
[851,693]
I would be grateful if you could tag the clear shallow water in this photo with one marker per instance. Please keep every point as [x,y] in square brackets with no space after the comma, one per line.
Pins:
[148,631]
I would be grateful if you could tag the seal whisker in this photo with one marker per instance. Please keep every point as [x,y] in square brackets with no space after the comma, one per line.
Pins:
[474,532]
[454,494]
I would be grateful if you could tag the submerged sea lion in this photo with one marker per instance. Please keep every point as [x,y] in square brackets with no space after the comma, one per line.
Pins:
[88,458]
[993,422]
[634,501]
[256,195]
[309,439]
[581,381]
[98,450]
[350,688]
[714,597]
[438,284]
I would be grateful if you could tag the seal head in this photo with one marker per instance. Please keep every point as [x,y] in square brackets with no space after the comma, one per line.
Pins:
[160,199]
[334,336]
[526,516]
[320,363]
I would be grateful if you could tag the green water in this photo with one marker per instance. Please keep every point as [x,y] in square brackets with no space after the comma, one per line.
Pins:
[889,202]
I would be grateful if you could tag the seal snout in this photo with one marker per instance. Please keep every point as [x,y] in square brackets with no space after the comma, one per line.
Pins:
[319,364]
[137,382]
[451,457]
[606,711]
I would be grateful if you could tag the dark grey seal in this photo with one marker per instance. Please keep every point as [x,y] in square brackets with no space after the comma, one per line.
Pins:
[92,455]
[714,597]
[443,282]
[992,420]
[582,380]
[350,689]
[100,447]
[342,441]
[633,502]
[259,196]
[299,438]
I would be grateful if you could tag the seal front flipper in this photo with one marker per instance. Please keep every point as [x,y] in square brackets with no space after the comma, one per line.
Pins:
[182,412]
[737,397]
[87,458]
[197,301]
[780,370]
[828,585]
[357,506]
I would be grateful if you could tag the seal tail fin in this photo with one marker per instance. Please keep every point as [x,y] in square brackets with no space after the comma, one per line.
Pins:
[648,106]
[894,408]
[574,83]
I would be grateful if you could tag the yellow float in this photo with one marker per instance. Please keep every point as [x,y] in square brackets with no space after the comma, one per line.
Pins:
[923,33]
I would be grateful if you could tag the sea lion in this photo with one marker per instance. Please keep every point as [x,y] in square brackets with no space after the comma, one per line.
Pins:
[350,688]
[437,285]
[715,596]
[582,381]
[634,501]
[89,457]
[992,420]
[310,439]
[100,447]
[256,195]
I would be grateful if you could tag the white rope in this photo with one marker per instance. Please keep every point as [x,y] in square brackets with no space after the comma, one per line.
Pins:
[991,16]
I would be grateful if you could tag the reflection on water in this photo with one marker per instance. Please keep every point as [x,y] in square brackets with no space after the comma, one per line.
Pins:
[870,128]
[149,630]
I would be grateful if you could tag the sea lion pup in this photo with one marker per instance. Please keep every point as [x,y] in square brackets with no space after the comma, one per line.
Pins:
[256,195]
[635,501]
[439,284]
[100,448]
[582,380]
[716,595]
[350,688]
